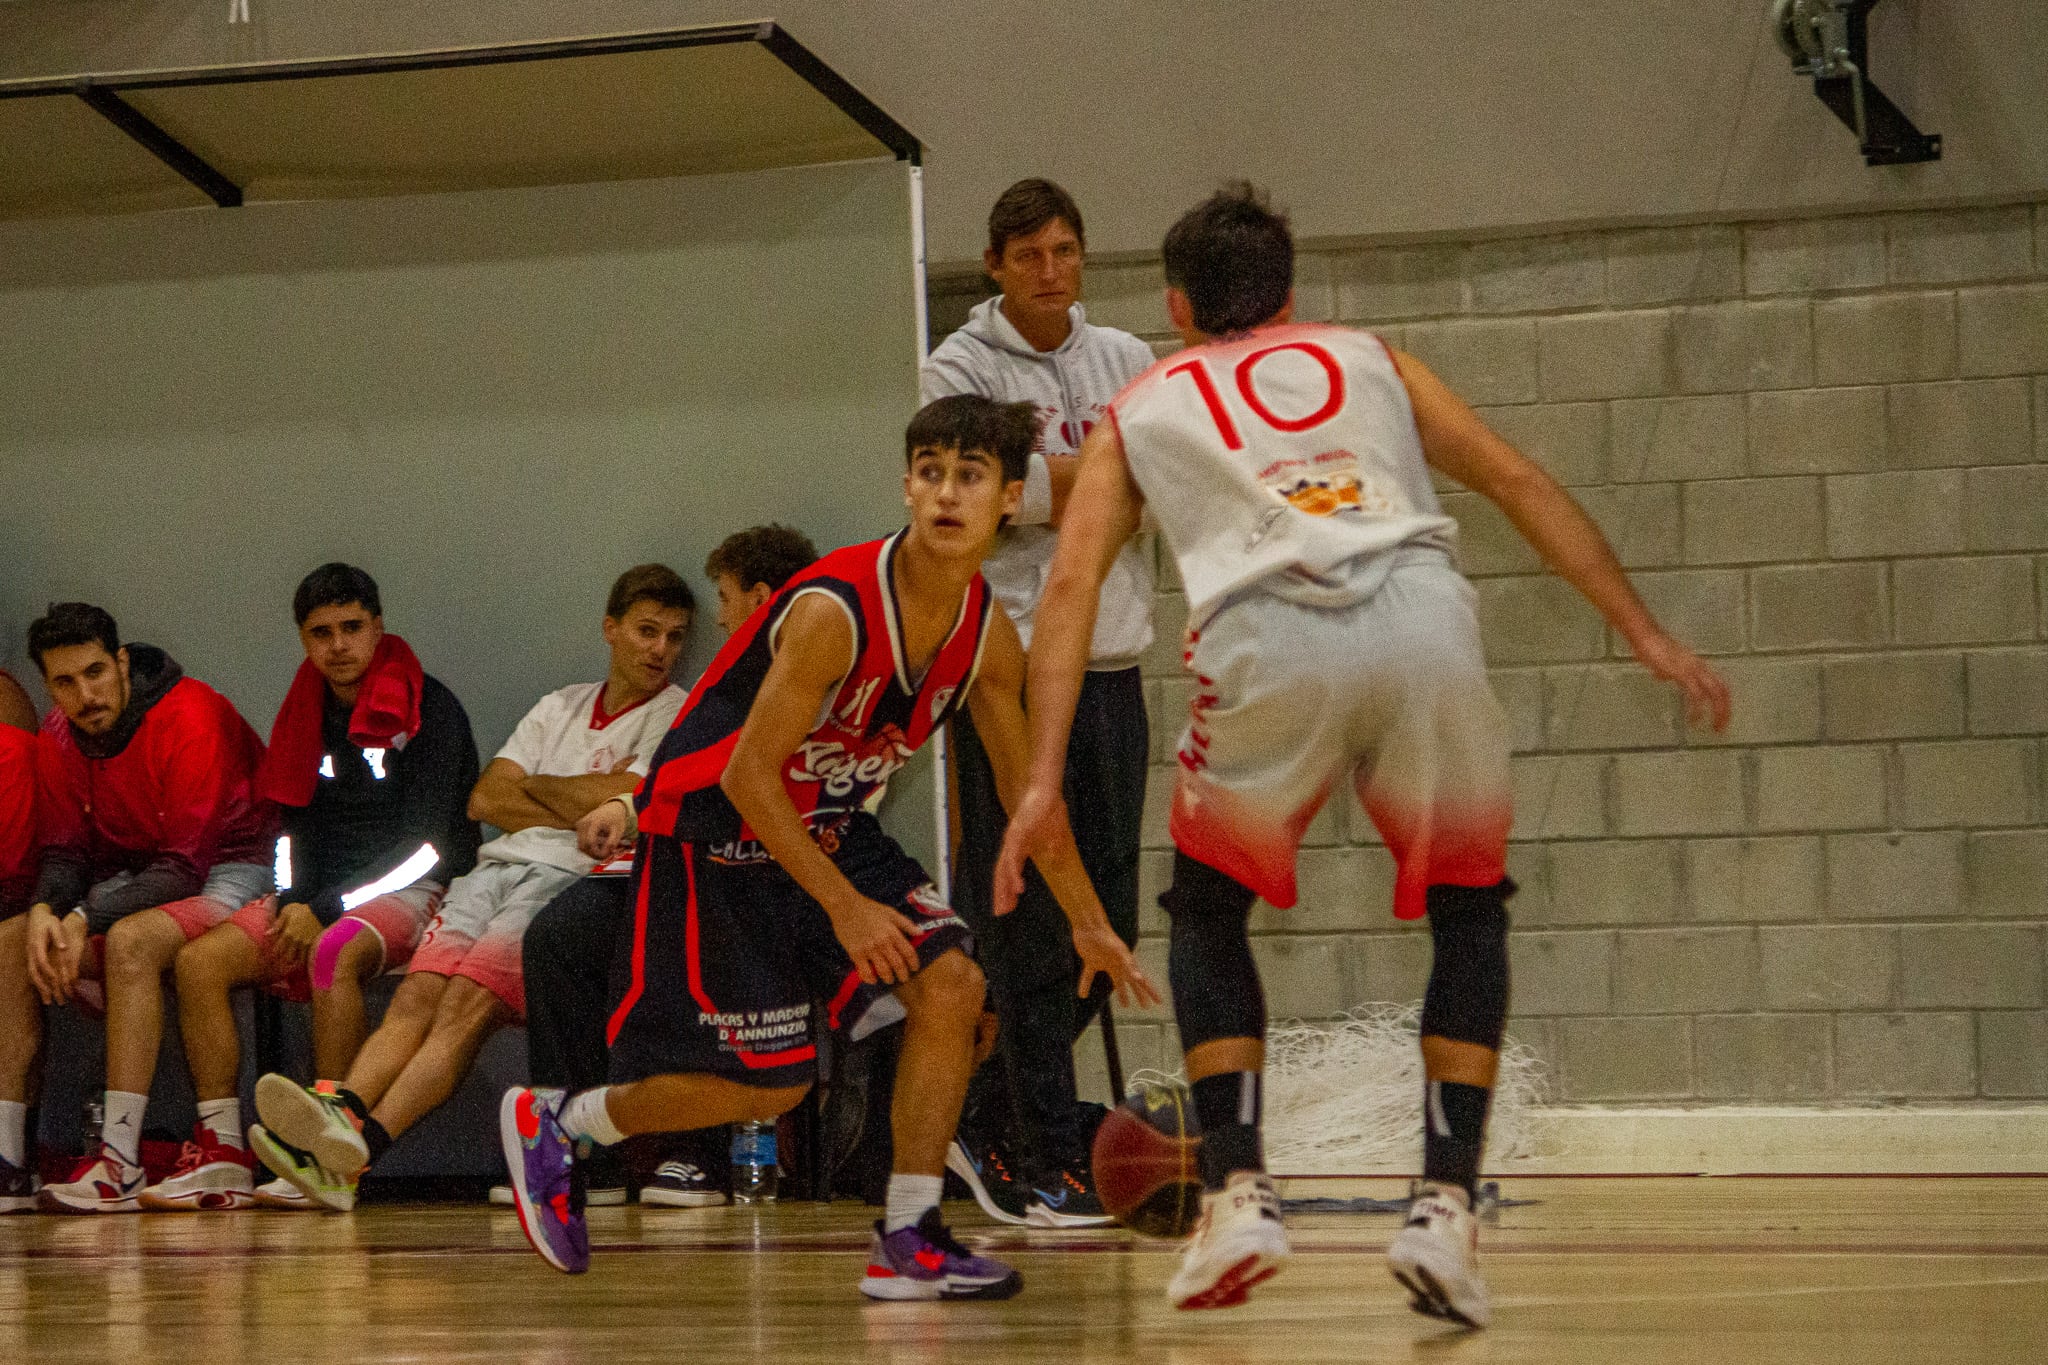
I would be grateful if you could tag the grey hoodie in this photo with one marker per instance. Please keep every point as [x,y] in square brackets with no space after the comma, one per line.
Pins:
[1070,386]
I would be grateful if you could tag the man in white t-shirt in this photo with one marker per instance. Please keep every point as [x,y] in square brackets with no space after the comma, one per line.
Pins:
[576,749]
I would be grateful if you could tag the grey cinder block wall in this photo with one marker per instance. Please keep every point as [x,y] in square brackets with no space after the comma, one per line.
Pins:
[1821,446]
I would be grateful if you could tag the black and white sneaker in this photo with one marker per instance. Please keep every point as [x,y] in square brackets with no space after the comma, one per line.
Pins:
[1066,1199]
[987,1176]
[682,1185]
[18,1187]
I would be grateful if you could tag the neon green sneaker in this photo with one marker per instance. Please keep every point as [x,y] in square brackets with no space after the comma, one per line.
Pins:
[315,1181]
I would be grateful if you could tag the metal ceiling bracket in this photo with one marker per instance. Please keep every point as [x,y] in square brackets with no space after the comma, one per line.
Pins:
[1829,40]
[161,144]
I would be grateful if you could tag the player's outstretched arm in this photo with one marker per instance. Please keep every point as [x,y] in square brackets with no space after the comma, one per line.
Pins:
[995,702]
[815,652]
[1457,442]
[1101,515]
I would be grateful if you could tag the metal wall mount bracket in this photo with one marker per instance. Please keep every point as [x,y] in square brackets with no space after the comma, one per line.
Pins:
[1829,40]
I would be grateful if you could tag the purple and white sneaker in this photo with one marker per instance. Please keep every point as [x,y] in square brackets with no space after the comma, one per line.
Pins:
[540,1158]
[924,1262]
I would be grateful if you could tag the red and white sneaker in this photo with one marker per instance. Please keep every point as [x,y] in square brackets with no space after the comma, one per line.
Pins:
[1435,1256]
[210,1175]
[1239,1242]
[101,1183]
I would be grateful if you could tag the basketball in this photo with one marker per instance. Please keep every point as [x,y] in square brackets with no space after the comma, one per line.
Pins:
[1145,1167]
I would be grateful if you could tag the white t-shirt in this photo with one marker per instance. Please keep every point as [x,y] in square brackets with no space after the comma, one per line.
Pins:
[567,734]
[1278,456]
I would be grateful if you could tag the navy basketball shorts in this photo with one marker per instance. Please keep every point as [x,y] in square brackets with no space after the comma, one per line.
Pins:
[730,955]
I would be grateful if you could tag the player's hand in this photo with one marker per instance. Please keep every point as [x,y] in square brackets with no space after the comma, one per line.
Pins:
[877,938]
[1103,952]
[1706,692]
[1035,827]
[56,947]
[293,933]
[601,833]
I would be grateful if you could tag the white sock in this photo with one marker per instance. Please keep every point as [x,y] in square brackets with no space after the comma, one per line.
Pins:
[121,1128]
[14,1132]
[223,1118]
[585,1116]
[909,1197]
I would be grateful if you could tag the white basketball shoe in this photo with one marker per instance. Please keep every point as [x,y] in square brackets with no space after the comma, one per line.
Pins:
[1239,1242]
[1436,1257]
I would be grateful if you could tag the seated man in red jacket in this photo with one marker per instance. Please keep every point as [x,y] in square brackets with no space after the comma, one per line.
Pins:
[18,798]
[155,835]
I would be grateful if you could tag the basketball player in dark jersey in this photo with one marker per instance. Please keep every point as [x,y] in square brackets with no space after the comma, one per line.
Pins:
[764,880]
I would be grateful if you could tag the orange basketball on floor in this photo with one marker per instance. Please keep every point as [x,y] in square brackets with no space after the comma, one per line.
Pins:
[1146,1170]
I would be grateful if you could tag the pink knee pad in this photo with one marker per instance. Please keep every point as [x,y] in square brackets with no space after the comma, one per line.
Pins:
[327,952]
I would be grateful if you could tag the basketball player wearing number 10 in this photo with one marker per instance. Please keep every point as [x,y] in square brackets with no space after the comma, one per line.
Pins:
[1331,636]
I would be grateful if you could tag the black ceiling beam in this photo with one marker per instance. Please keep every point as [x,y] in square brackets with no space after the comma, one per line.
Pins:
[842,92]
[165,148]
[101,92]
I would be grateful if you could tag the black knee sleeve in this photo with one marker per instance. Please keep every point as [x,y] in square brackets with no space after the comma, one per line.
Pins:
[1467,1000]
[1216,991]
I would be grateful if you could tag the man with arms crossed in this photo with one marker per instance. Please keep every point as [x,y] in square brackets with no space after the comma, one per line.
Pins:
[575,749]
[156,834]
[370,763]
[1331,637]
[1034,344]
[570,988]
[763,879]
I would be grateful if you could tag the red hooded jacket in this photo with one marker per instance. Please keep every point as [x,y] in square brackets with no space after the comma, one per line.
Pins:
[18,777]
[166,801]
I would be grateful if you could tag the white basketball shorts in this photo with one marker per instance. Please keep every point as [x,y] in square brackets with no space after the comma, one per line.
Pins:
[1389,691]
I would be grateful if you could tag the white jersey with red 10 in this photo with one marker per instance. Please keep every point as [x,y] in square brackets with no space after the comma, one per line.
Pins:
[1287,450]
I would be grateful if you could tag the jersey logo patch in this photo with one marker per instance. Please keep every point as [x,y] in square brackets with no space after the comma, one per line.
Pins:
[838,769]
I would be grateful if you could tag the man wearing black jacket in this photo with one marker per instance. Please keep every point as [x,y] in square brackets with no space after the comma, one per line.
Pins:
[371,763]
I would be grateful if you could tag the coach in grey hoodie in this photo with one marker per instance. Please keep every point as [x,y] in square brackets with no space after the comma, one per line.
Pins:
[1034,344]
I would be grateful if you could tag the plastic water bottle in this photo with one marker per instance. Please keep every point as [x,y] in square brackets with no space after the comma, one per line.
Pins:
[754,1170]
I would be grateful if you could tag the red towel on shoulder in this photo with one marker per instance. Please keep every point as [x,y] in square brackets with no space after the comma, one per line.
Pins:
[387,714]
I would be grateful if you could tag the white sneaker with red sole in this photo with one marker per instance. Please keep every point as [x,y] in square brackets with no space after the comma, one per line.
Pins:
[211,1176]
[1239,1242]
[1435,1256]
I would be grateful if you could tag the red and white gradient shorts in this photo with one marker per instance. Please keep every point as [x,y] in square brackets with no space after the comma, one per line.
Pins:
[396,919]
[1389,690]
[227,886]
[482,923]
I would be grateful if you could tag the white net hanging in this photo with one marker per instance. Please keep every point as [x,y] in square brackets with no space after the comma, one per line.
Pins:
[1345,1097]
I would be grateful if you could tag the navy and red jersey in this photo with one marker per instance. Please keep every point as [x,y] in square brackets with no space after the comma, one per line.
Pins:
[871,726]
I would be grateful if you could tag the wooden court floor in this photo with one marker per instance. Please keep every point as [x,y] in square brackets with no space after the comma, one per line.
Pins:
[1734,1271]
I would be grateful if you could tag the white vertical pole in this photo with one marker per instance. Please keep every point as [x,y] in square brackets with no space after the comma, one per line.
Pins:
[941,823]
